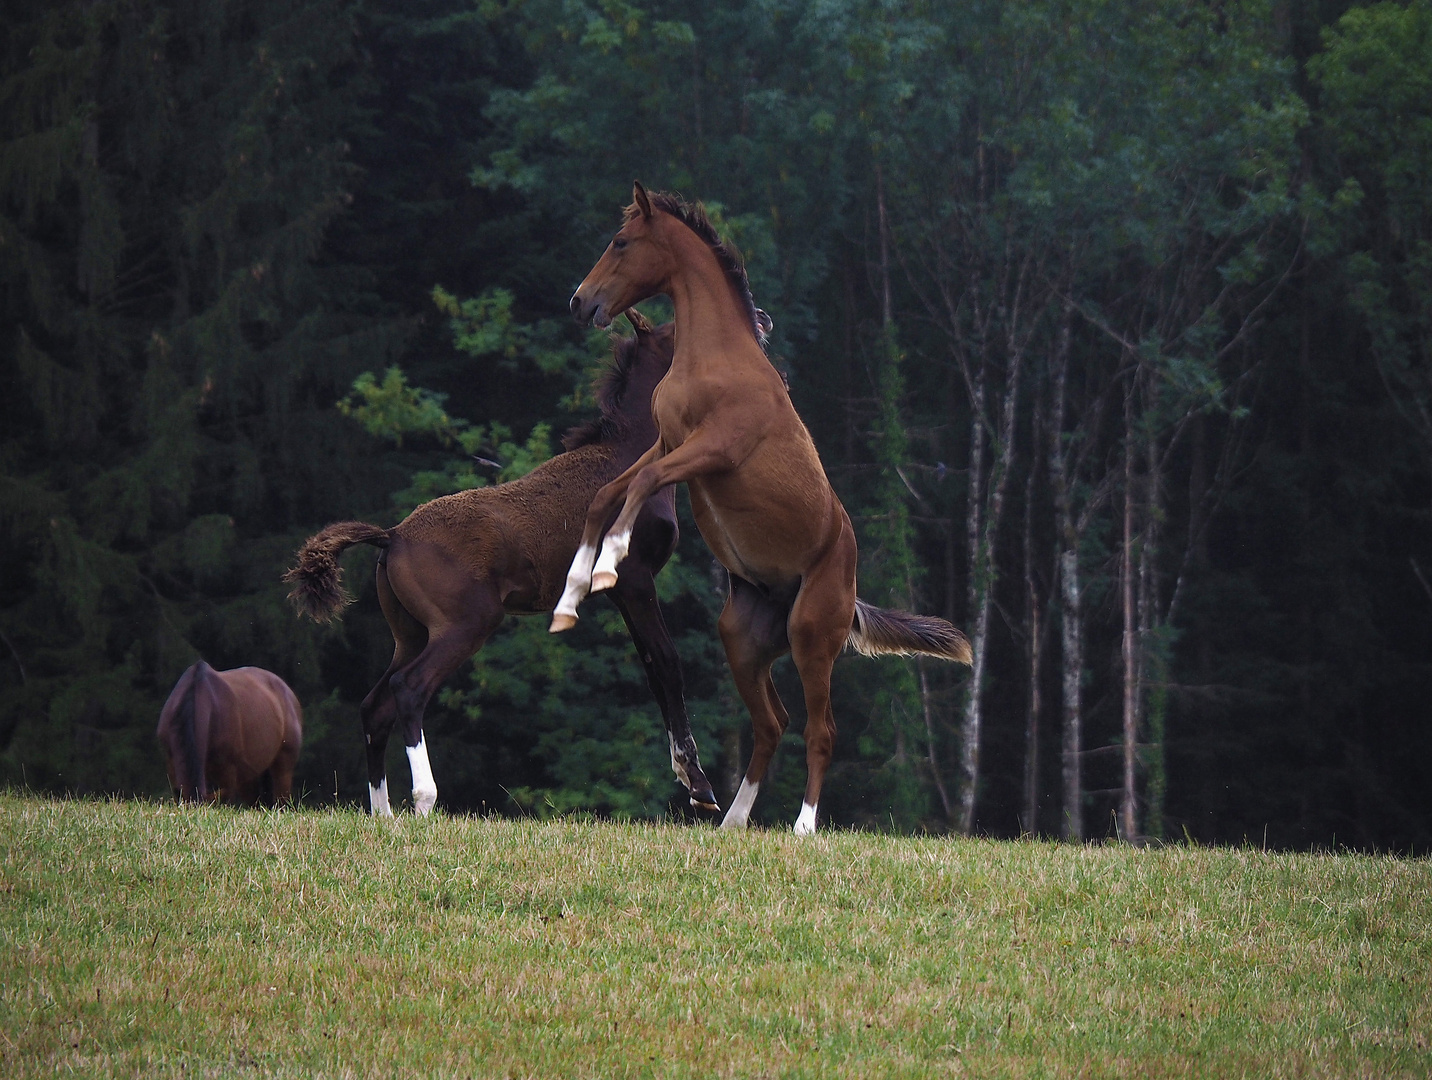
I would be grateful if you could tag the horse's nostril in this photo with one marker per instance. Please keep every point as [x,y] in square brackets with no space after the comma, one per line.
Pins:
[576,307]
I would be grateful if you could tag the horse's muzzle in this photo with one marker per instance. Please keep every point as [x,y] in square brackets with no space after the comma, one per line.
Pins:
[589,311]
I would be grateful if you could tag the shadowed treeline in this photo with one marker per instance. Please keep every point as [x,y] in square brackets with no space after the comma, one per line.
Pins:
[1111,327]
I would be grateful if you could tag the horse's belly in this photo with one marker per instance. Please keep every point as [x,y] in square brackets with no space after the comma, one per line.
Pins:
[772,539]
[547,555]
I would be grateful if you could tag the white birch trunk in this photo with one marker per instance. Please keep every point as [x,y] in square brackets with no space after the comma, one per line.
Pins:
[1128,814]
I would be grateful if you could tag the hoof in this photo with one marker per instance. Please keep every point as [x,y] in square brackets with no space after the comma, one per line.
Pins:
[562,622]
[710,806]
[602,580]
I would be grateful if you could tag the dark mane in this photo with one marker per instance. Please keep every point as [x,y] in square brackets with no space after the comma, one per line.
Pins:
[610,389]
[693,216]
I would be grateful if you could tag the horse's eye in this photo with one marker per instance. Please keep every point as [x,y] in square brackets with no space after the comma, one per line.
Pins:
[619,243]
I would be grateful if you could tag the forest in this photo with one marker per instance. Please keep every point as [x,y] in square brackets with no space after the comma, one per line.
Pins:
[1112,324]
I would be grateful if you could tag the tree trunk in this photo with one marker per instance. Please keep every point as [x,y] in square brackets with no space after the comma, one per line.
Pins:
[1035,630]
[1071,742]
[1153,695]
[1071,613]
[978,611]
[982,580]
[1127,806]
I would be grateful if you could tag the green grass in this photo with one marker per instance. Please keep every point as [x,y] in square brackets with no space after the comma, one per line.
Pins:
[139,939]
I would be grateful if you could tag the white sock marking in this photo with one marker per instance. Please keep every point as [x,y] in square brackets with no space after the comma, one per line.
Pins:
[579,580]
[676,765]
[425,789]
[378,800]
[614,550]
[740,811]
[805,823]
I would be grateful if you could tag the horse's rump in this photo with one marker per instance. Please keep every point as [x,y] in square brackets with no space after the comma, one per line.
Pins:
[227,728]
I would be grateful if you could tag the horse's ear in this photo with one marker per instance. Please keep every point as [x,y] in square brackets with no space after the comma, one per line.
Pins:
[640,197]
[638,321]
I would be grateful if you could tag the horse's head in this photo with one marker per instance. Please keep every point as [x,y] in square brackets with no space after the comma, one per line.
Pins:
[634,266]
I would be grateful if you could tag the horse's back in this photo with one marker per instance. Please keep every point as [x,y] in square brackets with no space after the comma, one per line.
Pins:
[519,537]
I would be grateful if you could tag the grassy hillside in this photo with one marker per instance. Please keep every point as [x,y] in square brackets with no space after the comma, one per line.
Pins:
[138,939]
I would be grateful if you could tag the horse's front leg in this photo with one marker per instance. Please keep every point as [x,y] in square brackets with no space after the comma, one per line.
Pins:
[699,455]
[579,576]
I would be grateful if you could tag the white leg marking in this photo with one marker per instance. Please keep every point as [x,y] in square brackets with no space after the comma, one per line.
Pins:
[378,800]
[740,811]
[579,578]
[805,823]
[425,790]
[614,550]
[677,766]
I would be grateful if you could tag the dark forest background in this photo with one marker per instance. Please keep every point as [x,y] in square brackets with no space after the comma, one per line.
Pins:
[1111,322]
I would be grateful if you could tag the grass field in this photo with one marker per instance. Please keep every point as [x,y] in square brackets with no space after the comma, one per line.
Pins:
[139,939]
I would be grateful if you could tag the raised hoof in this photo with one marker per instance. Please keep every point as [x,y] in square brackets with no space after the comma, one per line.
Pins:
[603,580]
[562,622]
[709,807]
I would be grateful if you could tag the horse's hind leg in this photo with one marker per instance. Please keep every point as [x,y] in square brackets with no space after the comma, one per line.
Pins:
[753,630]
[819,626]
[447,648]
[281,775]
[378,711]
[635,597]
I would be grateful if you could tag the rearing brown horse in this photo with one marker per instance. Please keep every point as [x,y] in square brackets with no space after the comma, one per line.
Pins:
[727,428]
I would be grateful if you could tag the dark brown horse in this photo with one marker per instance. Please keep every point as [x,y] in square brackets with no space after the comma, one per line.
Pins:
[727,428]
[223,731]
[458,564]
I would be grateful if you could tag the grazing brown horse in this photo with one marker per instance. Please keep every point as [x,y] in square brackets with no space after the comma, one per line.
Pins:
[458,564]
[727,428]
[222,731]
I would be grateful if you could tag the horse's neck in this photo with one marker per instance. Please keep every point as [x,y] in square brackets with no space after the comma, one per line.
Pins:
[711,320]
[635,411]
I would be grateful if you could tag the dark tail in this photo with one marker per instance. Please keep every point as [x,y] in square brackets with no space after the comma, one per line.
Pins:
[191,786]
[317,579]
[880,630]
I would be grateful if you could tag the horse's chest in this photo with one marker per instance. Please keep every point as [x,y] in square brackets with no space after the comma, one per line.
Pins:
[676,415]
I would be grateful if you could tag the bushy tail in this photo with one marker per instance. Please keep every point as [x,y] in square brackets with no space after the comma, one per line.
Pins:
[880,630]
[317,579]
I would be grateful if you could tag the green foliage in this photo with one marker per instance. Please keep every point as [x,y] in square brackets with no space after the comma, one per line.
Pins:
[393,409]
[1375,82]
[889,577]
[215,219]
[167,177]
